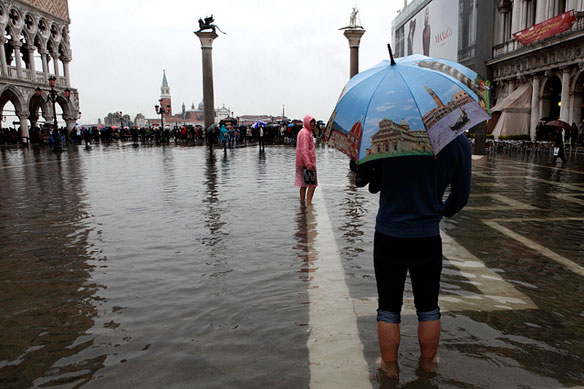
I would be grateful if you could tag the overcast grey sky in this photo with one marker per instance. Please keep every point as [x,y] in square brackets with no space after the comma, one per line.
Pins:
[274,53]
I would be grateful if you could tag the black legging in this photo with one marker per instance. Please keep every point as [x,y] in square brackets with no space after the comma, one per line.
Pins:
[393,257]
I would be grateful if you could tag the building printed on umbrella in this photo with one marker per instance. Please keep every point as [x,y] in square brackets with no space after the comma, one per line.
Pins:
[349,143]
[397,138]
[459,99]
[478,86]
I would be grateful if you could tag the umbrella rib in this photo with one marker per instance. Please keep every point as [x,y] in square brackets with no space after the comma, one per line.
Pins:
[412,95]
[374,90]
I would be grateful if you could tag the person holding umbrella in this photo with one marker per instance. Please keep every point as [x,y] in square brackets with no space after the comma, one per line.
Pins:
[260,126]
[402,123]
[306,160]
[559,147]
[407,239]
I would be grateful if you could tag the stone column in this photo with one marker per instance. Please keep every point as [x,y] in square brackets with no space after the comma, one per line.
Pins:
[70,123]
[32,75]
[573,4]
[540,12]
[551,5]
[565,108]
[16,45]
[23,116]
[501,20]
[510,86]
[44,56]
[572,105]
[3,63]
[206,38]
[56,66]
[535,114]
[516,17]
[66,71]
[354,35]
[523,18]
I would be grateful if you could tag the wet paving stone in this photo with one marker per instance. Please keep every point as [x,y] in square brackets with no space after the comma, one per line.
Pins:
[171,266]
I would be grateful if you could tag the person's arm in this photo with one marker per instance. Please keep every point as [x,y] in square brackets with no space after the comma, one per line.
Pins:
[460,184]
[369,173]
[304,146]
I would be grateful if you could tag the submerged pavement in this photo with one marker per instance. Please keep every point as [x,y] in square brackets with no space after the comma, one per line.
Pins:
[170,266]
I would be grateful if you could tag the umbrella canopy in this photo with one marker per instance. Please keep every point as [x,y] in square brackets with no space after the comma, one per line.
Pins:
[413,106]
[259,123]
[558,124]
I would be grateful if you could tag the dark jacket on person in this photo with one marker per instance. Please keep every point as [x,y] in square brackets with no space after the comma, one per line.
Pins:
[412,188]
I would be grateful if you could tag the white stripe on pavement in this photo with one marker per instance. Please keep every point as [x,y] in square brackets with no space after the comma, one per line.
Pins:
[537,247]
[510,204]
[496,293]
[334,346]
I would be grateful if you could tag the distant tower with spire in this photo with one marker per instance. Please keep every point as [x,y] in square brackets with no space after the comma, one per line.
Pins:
[434,96]
[165,95]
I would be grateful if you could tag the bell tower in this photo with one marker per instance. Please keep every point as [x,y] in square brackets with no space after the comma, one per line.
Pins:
[434,96]
[165,95]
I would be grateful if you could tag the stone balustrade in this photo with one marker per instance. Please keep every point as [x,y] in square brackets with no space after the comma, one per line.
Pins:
[39,77]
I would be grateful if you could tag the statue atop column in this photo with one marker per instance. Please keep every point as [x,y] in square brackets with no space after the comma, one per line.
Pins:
[207,24]
[353,19]
[353,32]
[353,24]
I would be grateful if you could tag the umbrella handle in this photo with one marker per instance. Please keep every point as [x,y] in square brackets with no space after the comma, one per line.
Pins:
[390,54]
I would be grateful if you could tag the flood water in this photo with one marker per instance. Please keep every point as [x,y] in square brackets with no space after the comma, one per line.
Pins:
[149,266]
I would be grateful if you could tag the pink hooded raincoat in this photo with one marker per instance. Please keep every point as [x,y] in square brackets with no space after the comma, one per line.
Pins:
[305,152]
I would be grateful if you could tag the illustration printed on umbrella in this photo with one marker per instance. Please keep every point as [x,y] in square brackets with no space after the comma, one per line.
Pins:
[477,86]
[409,113]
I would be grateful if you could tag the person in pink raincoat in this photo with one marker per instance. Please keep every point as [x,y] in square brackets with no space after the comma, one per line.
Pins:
[306,158]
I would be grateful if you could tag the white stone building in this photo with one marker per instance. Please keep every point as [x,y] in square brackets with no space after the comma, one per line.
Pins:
[548,69]
[36,30]
[545,71]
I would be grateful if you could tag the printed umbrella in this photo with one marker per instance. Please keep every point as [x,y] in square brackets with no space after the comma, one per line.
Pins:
[412,106]
[259,123]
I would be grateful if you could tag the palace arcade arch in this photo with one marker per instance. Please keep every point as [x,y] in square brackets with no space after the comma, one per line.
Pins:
[35,45]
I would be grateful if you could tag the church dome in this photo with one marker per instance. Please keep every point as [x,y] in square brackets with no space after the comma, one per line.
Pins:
[201,106]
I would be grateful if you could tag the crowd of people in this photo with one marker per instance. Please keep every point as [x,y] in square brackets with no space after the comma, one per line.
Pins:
[233,136]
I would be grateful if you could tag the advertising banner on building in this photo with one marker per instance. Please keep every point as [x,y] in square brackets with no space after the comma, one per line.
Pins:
[546,28]
[434,31]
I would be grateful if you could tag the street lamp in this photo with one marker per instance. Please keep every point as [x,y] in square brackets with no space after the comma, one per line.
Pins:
[53,98]
[161,110]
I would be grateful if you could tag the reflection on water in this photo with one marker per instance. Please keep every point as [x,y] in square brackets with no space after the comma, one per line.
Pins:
[213,208]
[302,244]
[194,266]
[355,212]
[46,304]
